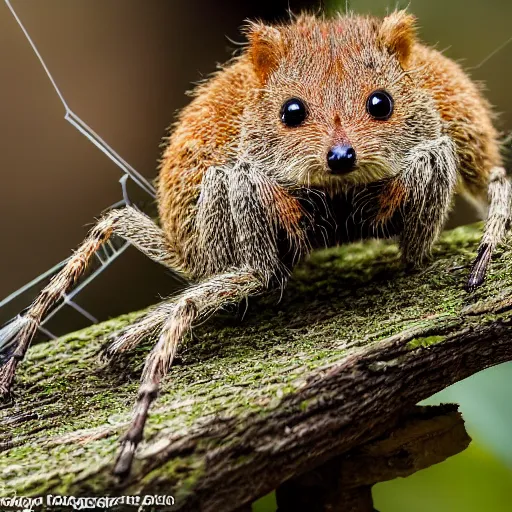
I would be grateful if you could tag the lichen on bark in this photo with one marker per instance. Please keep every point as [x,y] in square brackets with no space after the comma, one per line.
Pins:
[255,397]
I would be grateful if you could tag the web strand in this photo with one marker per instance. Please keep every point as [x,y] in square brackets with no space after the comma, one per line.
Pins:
[83,127]
[108,254]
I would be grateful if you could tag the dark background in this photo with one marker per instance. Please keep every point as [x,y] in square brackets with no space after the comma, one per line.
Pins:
[124,66]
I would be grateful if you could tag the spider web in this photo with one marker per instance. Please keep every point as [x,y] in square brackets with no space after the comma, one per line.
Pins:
[112,249]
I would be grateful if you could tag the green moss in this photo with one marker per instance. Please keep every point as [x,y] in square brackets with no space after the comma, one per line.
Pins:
[425,341]
[339,301]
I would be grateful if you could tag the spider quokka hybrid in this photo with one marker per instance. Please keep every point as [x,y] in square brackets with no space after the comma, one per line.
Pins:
[322,131]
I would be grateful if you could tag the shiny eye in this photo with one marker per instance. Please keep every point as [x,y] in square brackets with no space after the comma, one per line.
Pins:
[293,112]
[380,105]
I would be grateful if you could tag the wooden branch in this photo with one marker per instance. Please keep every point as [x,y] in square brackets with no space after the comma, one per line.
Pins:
[426,436]
[340,360]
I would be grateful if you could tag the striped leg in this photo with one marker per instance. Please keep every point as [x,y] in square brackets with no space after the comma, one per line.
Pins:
[429,182]
[496,225]
[128,223]
[197,301]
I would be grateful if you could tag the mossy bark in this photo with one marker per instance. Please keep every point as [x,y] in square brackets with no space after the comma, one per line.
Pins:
[256,398]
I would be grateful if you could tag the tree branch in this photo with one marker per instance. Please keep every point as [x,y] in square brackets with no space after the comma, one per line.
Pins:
[353,345]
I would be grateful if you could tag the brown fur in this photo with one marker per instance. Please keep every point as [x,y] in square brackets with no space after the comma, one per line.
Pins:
[333,65]
[466,113]
[390,200]
[397,34]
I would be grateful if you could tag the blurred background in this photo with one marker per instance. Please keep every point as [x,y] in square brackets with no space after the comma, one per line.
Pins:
[123,66]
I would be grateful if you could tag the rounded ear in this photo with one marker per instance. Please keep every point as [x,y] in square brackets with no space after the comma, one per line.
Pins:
[398,34]
[265,48]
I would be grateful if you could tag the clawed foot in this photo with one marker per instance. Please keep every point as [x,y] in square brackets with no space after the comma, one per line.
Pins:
[124,459]
[14,336]
[130,336]
[7,372]
[132,438]
[479,269]
[119,343]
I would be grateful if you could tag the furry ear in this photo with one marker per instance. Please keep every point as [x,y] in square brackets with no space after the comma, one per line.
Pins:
[266,48]
[398,33]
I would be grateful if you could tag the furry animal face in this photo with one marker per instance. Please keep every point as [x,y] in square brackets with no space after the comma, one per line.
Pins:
[341,101]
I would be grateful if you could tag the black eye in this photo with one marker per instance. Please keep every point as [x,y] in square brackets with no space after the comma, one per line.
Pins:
[380,105]
[293,112]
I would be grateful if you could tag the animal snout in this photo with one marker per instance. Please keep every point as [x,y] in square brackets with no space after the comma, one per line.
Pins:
[341,159]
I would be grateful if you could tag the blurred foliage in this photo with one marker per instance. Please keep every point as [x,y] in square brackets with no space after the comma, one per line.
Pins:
[486,403]
[265,504]
[473,481]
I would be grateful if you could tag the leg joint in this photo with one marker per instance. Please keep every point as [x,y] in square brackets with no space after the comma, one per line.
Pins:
[148,390]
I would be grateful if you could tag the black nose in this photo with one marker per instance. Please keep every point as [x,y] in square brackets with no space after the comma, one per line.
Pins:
[341,159]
